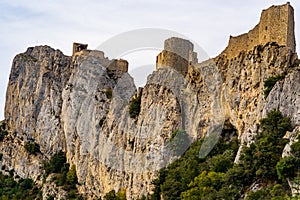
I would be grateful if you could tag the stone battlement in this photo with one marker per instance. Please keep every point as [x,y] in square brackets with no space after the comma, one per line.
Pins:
[178,53]
[276,25]
[117,66]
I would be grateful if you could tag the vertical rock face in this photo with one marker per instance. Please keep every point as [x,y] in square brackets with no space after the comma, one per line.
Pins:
[285,97]
[243,86]
[34,96]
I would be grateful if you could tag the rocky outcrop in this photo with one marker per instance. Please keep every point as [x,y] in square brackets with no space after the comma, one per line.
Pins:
[285,97]
[51,190]
[16,160]
[242,91]
[34,100]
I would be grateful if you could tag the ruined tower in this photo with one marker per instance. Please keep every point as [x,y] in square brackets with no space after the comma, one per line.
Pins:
[276,25]
[77,47]
[178,53]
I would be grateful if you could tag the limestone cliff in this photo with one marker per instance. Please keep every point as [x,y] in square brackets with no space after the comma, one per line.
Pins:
[80,105]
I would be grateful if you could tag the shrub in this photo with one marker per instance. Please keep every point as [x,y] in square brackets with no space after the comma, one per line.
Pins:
[26,184]
[109,93]
[3,133]
[287,167]
[56,164]
[32,147]
[111,195]
[71,176]
[270,82]
[295,149]
[65,176]
[217,176]
[135,107]
[262,156]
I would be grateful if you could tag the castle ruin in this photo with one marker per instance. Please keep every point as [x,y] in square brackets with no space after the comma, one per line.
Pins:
[178,53]
[116,66]
[77,47]
[276,25]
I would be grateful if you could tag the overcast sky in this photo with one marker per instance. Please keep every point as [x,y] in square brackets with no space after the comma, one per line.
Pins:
[59,23]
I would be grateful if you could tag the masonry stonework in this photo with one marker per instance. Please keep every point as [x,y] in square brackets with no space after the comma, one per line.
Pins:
[178,53]
[276,25]
[77,47]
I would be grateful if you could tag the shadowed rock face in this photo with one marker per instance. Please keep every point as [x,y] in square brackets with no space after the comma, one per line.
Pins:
[80,105]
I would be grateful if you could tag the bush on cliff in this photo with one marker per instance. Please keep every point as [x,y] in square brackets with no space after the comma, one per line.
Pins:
[32,147]
[270,82]
[135,107]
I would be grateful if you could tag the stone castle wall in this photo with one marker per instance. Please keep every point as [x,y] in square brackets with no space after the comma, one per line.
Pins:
[118,65]
[179,46]
[276,25]
[77,47]
[170,59]
[178,53]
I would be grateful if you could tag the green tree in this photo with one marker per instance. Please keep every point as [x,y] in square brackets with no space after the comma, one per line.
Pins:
[71,176]
[205,186]
[112,195]
[26,184]
[122,194]
[56,164]
[286,167]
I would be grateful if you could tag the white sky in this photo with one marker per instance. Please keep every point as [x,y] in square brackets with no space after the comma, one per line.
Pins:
[59,23]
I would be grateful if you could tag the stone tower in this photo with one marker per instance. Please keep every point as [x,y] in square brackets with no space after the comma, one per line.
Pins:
[178,53]
[276,25]
[77,47]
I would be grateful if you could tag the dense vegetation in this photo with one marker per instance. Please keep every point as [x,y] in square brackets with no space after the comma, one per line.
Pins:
[288,167]
[112,195]
[218,177]
[21,189]
[135,107]
[64,176]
